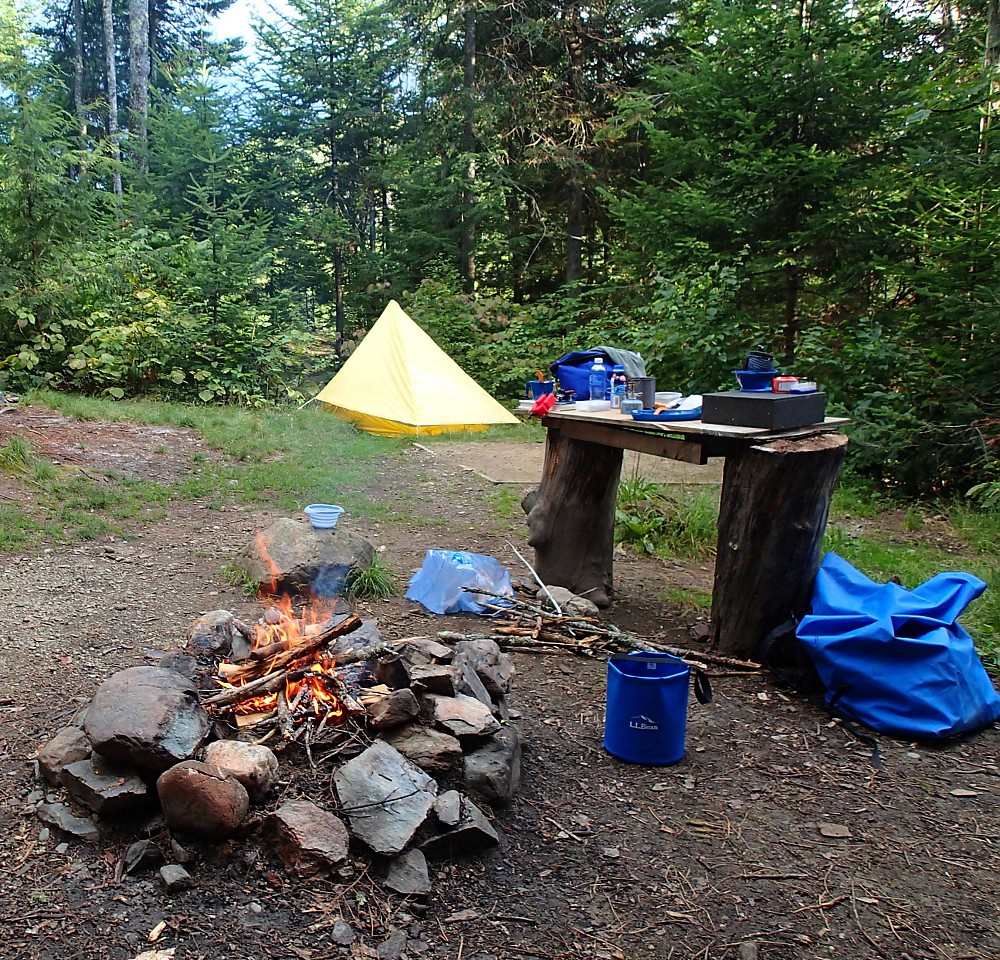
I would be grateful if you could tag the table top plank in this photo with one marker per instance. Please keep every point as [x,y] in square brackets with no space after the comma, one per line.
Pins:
[693,429]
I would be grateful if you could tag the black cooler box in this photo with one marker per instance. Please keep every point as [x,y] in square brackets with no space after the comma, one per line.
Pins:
[770,411]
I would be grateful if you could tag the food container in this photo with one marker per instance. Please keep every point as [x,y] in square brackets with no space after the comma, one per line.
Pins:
[323,516]
[783,384]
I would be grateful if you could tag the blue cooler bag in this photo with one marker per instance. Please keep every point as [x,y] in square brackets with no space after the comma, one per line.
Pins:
[897,659]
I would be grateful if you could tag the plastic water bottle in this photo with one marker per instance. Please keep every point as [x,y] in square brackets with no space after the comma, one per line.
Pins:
[618,382]
[598,380]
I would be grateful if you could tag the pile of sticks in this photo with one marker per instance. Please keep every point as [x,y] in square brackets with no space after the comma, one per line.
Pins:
[530,627]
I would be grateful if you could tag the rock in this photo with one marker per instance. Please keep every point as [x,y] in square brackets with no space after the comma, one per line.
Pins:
[175,878]
[426,650]
[181,853]
[434,751]
[408,875]
[364,637]
[253,764]
[493,770]
[748,950]
[146,717]
[448,808]
[393,710]
[104,787]
[569,603]
[197,672]
[292,557]
[439,678]
[202,799]
[215,634]
[393,946]
[311,841]
[472,833]
[394,672]
[58,815]
[461,716]
[494,667]
[342,934]
[469,683]
[385,796]
[142,853]
[66,747]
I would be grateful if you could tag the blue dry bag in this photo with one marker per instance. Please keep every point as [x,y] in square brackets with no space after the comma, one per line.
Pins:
[897,659]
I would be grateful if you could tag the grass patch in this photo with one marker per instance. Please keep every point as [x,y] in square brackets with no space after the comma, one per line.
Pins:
[688,598]
[377,582]
[666,521]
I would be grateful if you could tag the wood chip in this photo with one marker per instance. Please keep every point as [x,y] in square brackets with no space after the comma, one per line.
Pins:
[962,792]
[836,830]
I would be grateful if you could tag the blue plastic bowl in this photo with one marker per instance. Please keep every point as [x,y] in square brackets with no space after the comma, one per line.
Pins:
[323,516]
[755,380]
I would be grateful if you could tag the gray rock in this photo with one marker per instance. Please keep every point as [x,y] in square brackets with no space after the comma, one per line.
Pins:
[175,878]
[494,667]
[216,634]
[311,841]
[569,603]
[342,934]
[67,746]
[448,808]
[253,764]
[386,798]
[434,751]
[58,815]
[408,875]
[472,833]
[394,672]
[427,650]
[146,717]
[202,799]
[141,854]
[103,786]
[461,716]
[470,684]
[300,559]
[393,946]
[181,853]
[363,638]
[393,710]
[440,678]
[186,666]
[493,770]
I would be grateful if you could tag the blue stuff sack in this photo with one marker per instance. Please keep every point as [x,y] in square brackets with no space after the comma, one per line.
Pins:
[440,583]
[573,371]
[896,659]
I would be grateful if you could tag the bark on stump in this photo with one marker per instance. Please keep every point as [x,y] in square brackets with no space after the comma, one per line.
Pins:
[775,502]
[571,516]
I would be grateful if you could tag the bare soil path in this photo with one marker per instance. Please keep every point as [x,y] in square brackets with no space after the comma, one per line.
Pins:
[778,836]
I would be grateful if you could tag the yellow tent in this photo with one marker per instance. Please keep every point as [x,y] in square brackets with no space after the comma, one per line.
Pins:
[399,381]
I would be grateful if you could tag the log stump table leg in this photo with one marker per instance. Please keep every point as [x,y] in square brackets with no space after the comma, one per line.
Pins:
[571,516]
[774,507]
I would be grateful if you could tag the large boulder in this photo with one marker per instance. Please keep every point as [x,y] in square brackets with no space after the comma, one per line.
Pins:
[146,717]
[292,557]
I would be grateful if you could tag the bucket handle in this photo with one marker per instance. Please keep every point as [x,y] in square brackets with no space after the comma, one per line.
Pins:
[702,686]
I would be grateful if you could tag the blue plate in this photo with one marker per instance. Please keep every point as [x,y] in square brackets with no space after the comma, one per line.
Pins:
[667,415]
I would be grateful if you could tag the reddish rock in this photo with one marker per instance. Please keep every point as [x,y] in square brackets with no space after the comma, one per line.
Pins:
[202,799]
[393,710]
[311,841]
[66,747]
[461,716]
[434,751]
[253,764]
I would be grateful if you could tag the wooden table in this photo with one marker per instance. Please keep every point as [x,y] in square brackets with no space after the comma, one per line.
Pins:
[776,491]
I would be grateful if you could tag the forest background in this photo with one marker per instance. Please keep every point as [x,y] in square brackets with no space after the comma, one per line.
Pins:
[181,220]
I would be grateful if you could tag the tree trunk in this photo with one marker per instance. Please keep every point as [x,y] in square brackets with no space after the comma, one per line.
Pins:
[112,75]
[576,227]
[571,516]
[138,35]
[775,502]
[468,241]
[78,80]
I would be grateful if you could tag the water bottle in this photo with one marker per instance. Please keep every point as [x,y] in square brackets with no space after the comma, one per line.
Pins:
[618,382]
[598,380]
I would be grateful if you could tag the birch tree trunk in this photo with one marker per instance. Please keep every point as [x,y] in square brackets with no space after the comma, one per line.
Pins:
[112,75]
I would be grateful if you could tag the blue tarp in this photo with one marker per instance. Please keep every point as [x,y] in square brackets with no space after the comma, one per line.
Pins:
[440,583]
[897,659]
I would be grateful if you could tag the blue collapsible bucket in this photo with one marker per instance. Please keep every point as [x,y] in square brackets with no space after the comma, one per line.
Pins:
[646,715]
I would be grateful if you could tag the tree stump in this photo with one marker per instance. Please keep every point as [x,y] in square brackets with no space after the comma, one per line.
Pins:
[571,516]
[774,507]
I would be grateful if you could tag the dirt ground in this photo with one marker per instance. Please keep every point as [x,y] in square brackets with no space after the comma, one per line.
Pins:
[779,835]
